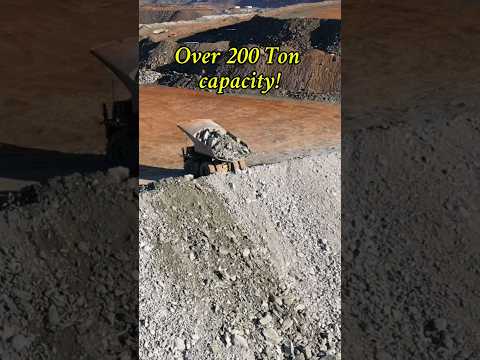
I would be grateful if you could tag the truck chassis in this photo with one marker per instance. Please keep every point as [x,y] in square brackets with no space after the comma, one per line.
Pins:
[202,165]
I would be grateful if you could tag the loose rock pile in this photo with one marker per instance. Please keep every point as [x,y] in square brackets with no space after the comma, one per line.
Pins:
[68,267]
[243,266]
[410,247]
[148,77]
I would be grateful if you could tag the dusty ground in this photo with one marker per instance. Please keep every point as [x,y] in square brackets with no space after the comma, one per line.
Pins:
[274,129]
[243,266]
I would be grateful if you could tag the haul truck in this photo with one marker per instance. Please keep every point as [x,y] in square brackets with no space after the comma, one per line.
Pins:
[201,159]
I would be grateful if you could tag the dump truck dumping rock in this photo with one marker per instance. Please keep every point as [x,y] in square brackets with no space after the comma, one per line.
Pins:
[223,145]
[243,266]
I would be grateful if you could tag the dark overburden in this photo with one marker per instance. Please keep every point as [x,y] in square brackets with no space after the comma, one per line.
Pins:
[316,77]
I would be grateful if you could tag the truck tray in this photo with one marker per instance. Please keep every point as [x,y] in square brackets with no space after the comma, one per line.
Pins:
[193,128]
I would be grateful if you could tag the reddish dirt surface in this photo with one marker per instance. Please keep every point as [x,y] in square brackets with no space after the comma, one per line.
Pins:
[273,128]
[52,88]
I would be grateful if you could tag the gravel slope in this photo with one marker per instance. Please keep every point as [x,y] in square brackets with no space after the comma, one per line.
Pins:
[410,232]
[68,268]
[243,266]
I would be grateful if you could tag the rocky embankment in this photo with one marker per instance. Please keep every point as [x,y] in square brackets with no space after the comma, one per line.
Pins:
[243,266]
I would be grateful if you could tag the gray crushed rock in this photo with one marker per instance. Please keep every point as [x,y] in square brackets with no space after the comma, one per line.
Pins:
[410,238]
[67,271]
[243,266]
[223,145]
[148,77]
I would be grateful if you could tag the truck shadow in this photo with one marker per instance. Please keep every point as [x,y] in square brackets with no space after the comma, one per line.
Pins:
[22,166]
[152,173]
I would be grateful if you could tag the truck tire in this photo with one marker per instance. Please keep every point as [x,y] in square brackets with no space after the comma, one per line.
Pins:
[192,166]
[205,169]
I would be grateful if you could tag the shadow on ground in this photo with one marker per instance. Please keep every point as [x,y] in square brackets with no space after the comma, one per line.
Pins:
[21,166]
[152,173]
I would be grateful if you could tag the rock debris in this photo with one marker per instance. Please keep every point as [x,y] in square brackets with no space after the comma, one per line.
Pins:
[246,293]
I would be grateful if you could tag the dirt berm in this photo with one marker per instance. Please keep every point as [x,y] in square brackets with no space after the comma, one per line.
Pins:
[243,266]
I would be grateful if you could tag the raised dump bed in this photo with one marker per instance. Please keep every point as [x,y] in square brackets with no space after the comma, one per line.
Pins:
[214,148]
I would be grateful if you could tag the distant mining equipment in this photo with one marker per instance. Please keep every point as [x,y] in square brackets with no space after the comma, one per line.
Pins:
[214,149]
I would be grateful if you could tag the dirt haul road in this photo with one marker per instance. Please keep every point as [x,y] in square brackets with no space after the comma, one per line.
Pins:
[51,93]
[274,129]
[55,86]
[180,29]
